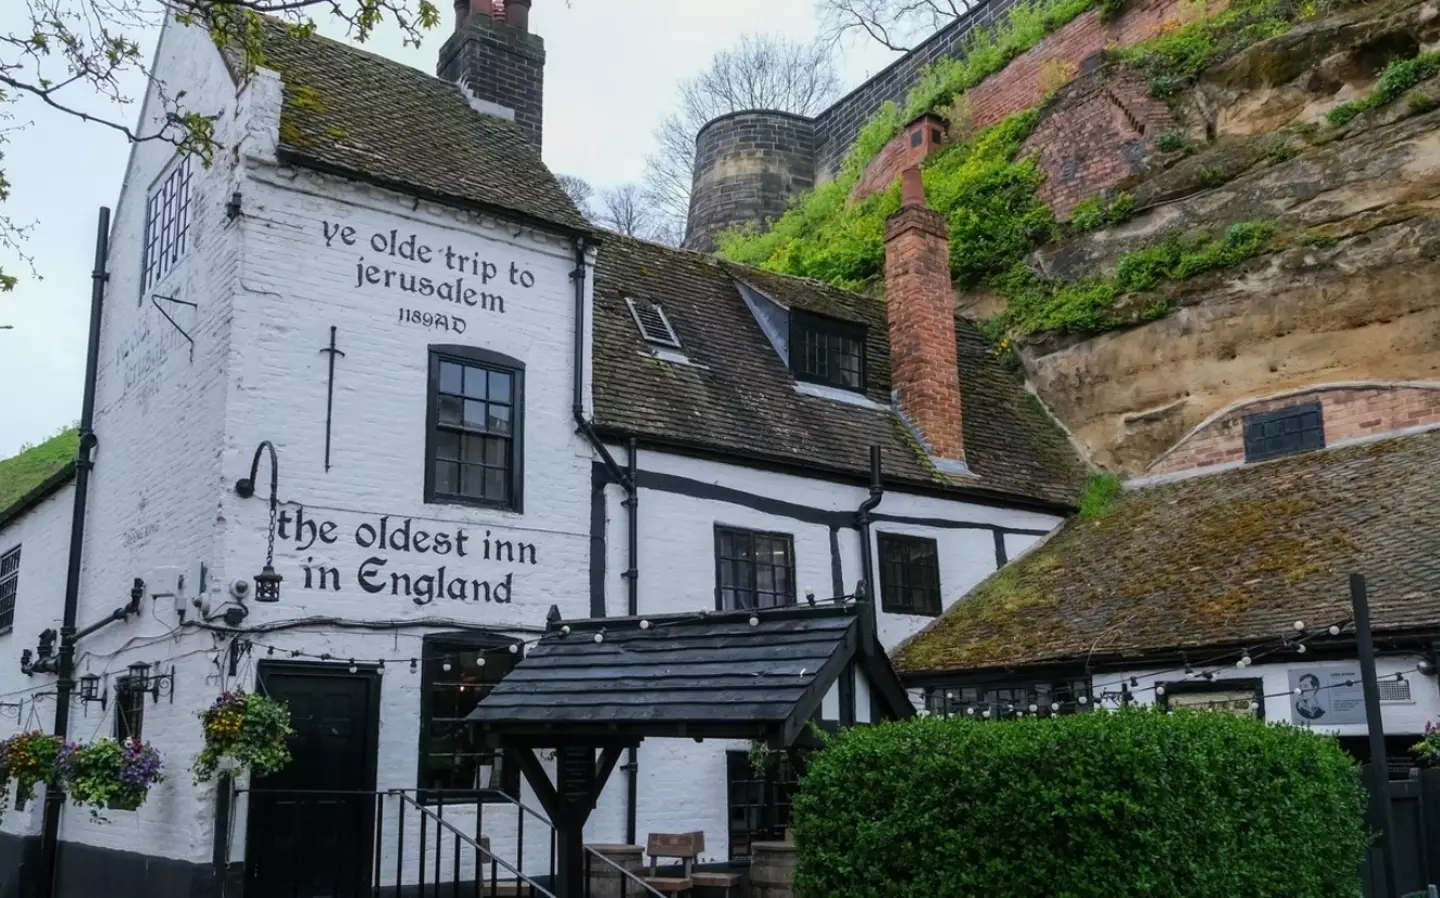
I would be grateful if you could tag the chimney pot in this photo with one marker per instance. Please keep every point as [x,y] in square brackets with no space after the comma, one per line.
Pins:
[912,187]
[517,13]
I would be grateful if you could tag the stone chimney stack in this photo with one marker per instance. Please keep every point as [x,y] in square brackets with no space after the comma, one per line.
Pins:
[501,65]
[920,304]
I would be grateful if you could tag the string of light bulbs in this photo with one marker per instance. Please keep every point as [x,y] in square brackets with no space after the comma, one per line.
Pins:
[477,655]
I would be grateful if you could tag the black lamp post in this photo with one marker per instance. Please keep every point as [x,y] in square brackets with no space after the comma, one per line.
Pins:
[267,582]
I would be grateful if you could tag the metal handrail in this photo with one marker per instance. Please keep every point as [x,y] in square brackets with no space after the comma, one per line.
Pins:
[645,886]
[494,858]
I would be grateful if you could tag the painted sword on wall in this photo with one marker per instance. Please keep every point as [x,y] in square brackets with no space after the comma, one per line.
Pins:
[332,352]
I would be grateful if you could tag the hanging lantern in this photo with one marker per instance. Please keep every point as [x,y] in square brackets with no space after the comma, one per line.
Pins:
[267,584]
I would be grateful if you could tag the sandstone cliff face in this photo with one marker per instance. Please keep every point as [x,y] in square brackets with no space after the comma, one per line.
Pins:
[1347,294]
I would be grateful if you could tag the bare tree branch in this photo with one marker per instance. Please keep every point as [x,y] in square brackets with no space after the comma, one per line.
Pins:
[761,72]
[897,25]
[65,52]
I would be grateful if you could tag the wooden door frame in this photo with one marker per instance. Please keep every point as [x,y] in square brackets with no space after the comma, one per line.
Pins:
[371,674]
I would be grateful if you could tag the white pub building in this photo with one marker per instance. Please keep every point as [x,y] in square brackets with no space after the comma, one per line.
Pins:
[471,408]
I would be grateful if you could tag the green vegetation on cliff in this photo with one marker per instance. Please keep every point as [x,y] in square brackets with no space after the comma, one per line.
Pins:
[1398,77]
[988,195]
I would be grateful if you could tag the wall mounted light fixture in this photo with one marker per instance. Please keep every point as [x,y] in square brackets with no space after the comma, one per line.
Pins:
[267,582]
[90,690]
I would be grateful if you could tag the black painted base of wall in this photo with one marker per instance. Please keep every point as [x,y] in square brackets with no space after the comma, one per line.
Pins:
[87,871]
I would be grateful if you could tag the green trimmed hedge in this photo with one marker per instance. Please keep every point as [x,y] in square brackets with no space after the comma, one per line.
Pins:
[1109,805]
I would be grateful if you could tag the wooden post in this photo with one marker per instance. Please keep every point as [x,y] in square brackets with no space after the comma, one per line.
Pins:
[1382,815]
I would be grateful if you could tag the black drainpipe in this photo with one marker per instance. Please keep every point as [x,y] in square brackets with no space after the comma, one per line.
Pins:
[867,558]
[626,479]
[65,684]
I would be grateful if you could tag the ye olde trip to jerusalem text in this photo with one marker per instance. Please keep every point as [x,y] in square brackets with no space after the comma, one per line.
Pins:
[452,548]
[462,278]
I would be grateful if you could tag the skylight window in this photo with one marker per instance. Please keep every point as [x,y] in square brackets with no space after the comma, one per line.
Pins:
[827,351]
[654,326]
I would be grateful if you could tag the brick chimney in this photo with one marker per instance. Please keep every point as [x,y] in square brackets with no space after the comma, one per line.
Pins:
[498,61]
[920,303]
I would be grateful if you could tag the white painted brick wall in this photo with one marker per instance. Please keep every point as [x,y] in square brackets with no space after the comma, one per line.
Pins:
[683,783]
[177,428]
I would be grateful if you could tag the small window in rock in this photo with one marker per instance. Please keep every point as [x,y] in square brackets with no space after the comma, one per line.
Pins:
[1286,431]
[827,351]
[653,324]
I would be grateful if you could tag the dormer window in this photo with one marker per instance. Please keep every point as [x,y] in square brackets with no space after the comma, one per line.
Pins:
[827,351]
[1286,431]
[653,324]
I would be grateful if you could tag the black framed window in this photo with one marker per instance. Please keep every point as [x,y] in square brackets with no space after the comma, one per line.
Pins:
[827,351]
[167,222]
[758,800]
[457,673]
[1286,431]
[1047,697]
[129,708]
[753,569]
[909,574]
[475,428]
[9,587]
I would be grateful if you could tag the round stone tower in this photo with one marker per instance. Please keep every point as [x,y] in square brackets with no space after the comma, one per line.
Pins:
[747,167]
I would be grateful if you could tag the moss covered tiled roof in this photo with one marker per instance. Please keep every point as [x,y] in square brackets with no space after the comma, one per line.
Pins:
[1229,557]
[740,397]
[28,471]
[356,113]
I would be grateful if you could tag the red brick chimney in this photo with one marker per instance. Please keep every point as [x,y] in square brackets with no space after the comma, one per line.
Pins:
[920,303]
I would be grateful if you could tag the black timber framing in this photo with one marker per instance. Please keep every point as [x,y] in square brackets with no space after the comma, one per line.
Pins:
[604,684]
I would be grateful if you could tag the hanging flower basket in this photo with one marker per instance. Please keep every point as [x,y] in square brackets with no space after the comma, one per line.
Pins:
[110,775]
[30,758]
[249,730]
[1427,750]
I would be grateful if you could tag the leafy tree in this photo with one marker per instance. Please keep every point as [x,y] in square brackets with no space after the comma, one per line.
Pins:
[64,53]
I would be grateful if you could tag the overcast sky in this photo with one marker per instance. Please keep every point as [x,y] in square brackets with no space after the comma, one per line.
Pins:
[610,76]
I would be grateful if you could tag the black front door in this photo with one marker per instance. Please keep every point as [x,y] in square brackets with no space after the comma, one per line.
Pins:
[311,826]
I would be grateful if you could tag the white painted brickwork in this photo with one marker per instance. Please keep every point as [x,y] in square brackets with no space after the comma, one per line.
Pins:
[178,423]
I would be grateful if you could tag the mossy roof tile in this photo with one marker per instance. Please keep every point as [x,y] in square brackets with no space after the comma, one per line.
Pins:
[1225,558]
[356,112]
[740,397]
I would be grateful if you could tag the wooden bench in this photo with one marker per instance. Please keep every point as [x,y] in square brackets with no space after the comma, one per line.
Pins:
[684,847]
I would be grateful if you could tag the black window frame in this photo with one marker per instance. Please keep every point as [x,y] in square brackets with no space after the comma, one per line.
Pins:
[786,598]
[130,706]
[490,361]
[890,591]
[166,237]
[776,787]
[1006,699]
[1308,437]
[436,650]
[1254,686]
[9,587]
[803,323]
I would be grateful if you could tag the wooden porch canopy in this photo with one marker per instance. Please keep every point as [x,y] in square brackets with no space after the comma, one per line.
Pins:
[605,684]
[738,675]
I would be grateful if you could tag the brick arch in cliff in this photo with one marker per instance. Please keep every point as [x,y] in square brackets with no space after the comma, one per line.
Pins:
[1349,411]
